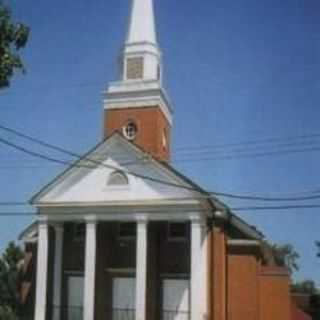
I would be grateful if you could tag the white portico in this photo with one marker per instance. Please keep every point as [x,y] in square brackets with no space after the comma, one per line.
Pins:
[84,194]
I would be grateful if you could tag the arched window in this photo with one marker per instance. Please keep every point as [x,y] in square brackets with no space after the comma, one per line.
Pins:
[117,178]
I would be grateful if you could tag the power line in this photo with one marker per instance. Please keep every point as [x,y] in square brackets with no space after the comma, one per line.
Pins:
[251,155]
[33,153]
[159,181]
[253,208]
[251,142]
[282,146]
[234,154]
[8,203]
[250,148]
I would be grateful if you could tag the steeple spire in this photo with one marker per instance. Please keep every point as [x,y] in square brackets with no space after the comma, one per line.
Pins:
[142,22]
[137,105]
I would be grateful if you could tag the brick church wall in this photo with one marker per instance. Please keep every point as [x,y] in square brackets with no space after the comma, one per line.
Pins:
[243,284]
[275,294]
[151,124]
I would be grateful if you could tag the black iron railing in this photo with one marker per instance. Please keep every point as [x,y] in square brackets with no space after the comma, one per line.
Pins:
[175,315]
[123,314]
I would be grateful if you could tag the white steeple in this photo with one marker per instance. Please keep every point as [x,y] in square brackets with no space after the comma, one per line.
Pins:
[140,85]
[142,22]
[142,57]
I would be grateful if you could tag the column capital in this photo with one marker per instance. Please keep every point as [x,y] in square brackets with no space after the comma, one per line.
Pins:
[91,220]
[142,221]
[58,227]
[42,221]
[198,222]
[221,214]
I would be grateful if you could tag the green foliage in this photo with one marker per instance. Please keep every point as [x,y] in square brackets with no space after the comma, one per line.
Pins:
[306,286]
[9,272]
[286,256]
[13,37]
[281,255]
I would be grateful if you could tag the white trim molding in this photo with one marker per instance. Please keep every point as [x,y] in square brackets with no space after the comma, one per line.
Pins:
[243,243]
[138,94]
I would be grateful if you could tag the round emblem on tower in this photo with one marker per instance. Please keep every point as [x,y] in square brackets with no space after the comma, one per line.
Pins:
[130,130]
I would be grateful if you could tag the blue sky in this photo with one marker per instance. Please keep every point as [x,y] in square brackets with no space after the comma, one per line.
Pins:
[234,70]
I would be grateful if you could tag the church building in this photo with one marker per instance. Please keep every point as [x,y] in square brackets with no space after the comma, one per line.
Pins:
[122,235]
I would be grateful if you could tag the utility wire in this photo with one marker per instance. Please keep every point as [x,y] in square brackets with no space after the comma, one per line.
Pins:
[209,156]
[251,142]
[245,152]
[271,147]
[8,203]
[33,153]
[159,181]
[250,155]
[254,208]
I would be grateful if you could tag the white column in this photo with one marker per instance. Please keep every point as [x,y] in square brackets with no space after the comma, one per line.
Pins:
[57,271]
[42,271]
[205,271]
[90,270]
[141,270]
[197,292]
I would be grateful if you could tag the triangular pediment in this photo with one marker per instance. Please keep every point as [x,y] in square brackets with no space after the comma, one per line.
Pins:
[88,182]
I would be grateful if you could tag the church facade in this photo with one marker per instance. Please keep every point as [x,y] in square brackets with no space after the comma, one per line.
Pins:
[122,235]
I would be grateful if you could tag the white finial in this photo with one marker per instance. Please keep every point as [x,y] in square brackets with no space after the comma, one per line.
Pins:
[142,22]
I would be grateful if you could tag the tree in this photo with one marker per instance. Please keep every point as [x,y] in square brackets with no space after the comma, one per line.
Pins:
[286,256]
[13,37]
[9,272]
[281,255]
[306,286]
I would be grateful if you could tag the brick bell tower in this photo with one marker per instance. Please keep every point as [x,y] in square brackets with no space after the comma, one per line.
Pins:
[137,106]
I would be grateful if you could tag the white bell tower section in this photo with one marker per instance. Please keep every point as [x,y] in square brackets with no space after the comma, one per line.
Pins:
[142,57]
[140,85]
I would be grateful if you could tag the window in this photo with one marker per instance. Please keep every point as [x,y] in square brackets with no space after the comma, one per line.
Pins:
[177,231]
[164,140]
[75,290]
[117,178]
[130,130]
[123,298]
[79,231]
[176,299]
[135,68]
[127,231]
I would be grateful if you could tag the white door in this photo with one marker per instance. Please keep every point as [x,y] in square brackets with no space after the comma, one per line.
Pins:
[75,297]
[175,301]
[124,298]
